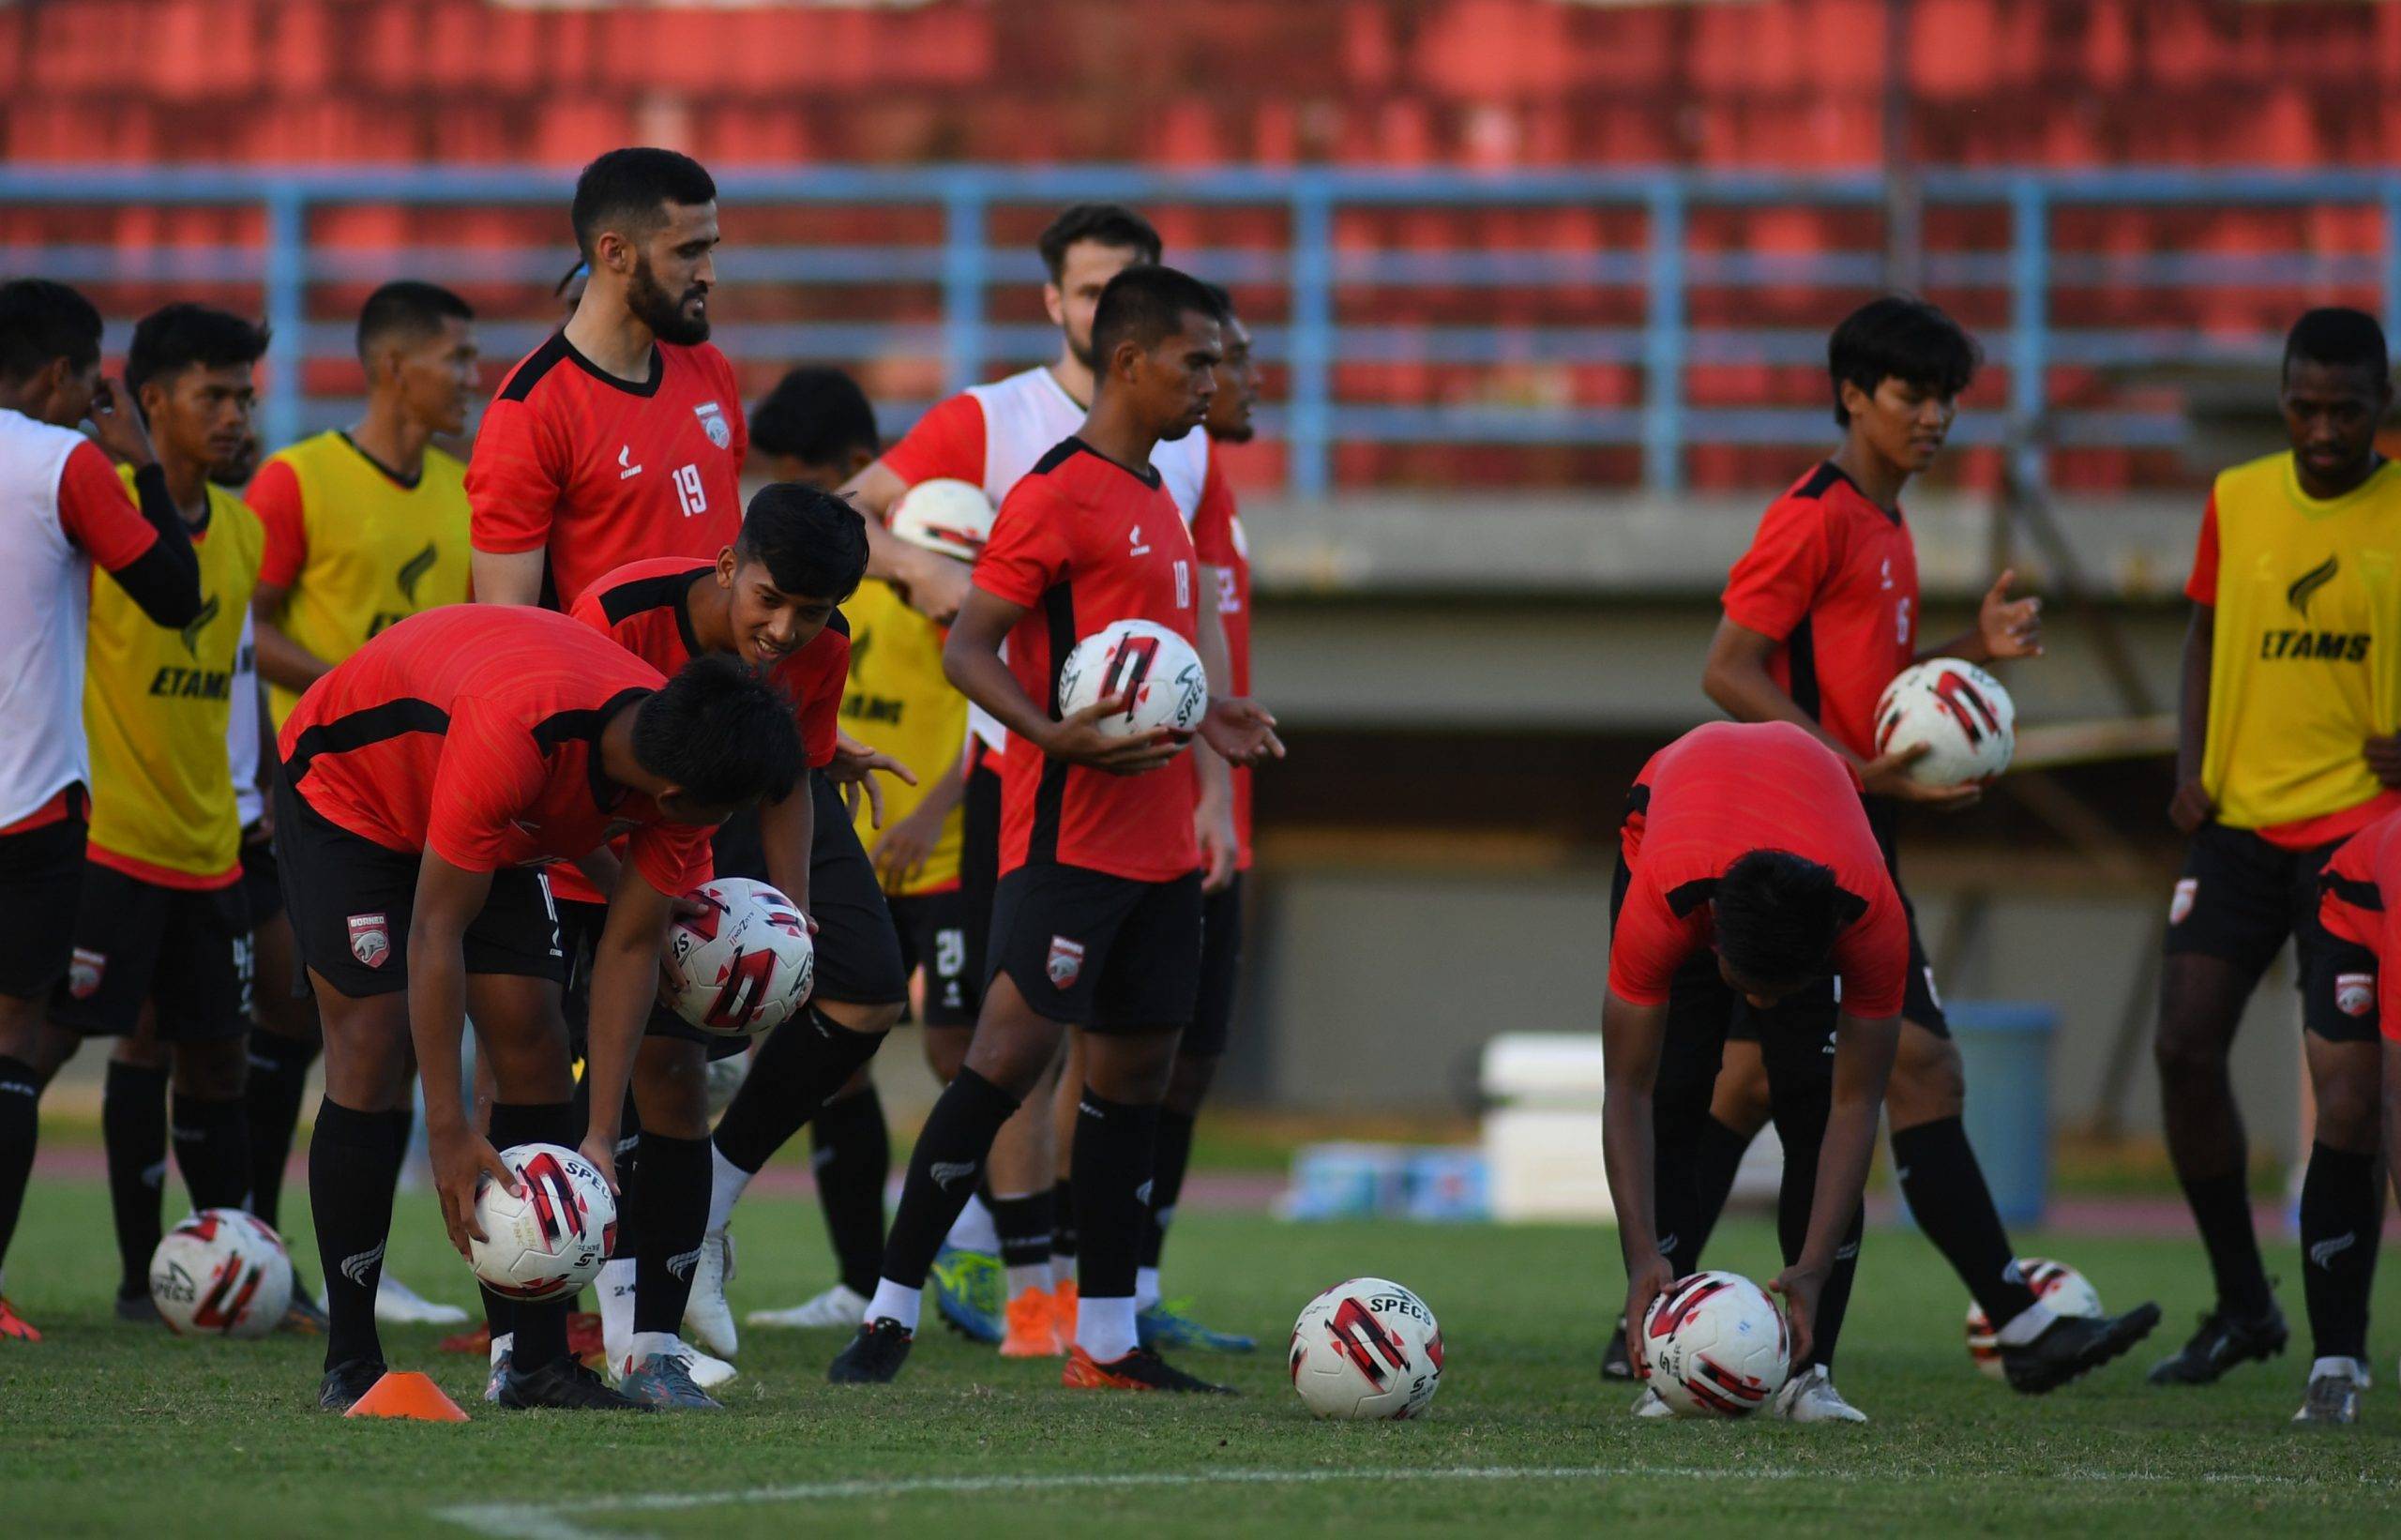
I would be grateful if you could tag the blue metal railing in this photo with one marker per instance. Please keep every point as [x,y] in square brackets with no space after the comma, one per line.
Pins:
[1316,272]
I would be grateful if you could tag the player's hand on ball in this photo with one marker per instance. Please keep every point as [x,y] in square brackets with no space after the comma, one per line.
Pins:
[602,1153]
[1079,739]
[1888,776]
[460,1159]
[1645,1281]
[1800,1287]
[1242,731]
[2010,627]
[2191,807]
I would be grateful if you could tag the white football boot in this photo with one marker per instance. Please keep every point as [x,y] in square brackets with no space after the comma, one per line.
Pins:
[838,1308]
[397,1305]
[1649,1404]
[1811,1397]
[706,1315]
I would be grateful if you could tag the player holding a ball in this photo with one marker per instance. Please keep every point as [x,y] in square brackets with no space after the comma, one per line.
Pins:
[1097,923]
[1820,613]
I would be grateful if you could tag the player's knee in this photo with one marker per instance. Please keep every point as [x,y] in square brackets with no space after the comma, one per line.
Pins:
[2350,1105]
[211,1071]
[1133,1069]
[945,1052]
[1928,1083]
[861,1017]
[1188,1083]
[2187,1061]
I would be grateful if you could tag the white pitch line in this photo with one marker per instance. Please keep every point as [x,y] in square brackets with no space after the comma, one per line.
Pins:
[550,1520]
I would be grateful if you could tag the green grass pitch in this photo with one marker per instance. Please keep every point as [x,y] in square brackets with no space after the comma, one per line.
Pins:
[109,1430]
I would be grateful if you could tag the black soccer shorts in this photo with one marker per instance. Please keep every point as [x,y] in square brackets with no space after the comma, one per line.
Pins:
[2240,897]
[1212,1010]
[351,898]
[932,928]
[262,885]
[183,951]
[1098,951]
[41,877]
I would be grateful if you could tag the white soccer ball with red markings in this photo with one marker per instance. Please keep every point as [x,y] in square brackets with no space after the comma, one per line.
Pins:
[742,964]
[952,517]
[1717,1346]
[1155,667]
[1367,1350]
[1961,713]
[2067,1292]
[549,1238]
[221,1272]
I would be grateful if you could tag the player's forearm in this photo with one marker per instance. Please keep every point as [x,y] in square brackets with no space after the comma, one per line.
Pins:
[437,1019]
[1742,687]
[1969,646]
[1863,1066]
[625,979]
[513,577]
[979,673]
[1216,661]
[283,661]
[2193,693]
[1627,1152]
[788,829]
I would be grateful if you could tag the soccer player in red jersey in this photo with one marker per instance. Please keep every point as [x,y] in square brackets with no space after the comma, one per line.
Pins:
[769,600]
[428,780]
[1098,924]
[69,511]
[2359,903]
[621,438]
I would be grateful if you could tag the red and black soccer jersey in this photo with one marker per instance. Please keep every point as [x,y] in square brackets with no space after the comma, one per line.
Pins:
[1716,794]
[1217,537]
[599,472]
[1082,542]
[1831,576]
[474,730]
[2360,901]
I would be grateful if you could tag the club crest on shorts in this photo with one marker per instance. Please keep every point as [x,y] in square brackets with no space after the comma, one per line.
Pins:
[1066,962]
[371,939]
[713,423]
[2187,888]
[85,970]
[2354,993]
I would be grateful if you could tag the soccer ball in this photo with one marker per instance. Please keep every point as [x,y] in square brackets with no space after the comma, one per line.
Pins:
[1367,1350]
[952,517]
[549,1238]
[745,964]
[2067,1292]
[1967,720]
[1717,1346]
[1151,664]
[221,1272]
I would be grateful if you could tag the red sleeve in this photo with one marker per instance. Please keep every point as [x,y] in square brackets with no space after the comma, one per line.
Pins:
[1776,582]
[948,441]
[821,712]
[1027,554]
[98,512]
[1872,956]
[275,497]
[1649,943]
[490,773]
[2201,587]
[515,477]
[1213,522]
[587,609]
[674,858]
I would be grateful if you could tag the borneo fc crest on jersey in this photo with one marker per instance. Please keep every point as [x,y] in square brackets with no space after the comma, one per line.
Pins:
[713,423]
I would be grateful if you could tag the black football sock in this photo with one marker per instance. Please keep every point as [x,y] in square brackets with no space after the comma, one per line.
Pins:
[19,1123]
[1024,1226]
[2221,1208]
[1173,1155]
[2341,1205]
[943,1171]
[1801,1124]
[851,1152]
[670,1197]
[1944,1185]
[801,1064]
[213,1149]
[133,1129]
[1062,1226]
[279,1079]
[1718,1161]
[1115,1142]
[354,1163]
[538,1329]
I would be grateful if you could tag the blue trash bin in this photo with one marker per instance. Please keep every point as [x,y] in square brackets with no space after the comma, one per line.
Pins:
[2005,1047]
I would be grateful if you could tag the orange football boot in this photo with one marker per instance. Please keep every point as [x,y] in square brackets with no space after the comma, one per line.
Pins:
[1140,1370]
[13,1324]
[1033,1326]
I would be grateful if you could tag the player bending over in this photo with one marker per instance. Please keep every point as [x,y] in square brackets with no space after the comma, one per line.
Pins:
[1097,922]
[427,781]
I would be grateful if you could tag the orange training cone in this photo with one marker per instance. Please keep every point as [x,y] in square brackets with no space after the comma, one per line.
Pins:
[405,1393]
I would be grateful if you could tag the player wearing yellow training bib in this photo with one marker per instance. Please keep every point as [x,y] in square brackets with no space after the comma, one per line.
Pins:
[163,929]
[2291,696]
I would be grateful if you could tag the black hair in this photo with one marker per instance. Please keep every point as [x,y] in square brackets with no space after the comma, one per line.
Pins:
[183,335]
[581,269]
[815,414]
[408,306]
[1104,224]
[2340,336]
[1777,916]
[41,322]
[1225,299]
[635,186]
[720,732]
[813,543]
[1900,337]
[1146,305]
